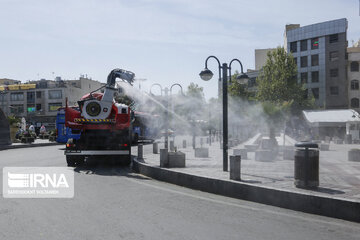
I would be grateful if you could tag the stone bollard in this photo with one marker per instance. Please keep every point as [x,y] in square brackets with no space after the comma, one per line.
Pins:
[348,139]
[176,160]
[241,152]
[164,158]
[172,148]
[265,155]
[184,143]
[324,147]
[235,169]
[354,155]
[201,152]
[140,151]
[155,148]
[289,153]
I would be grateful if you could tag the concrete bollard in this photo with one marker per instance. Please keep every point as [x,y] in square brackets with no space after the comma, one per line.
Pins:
[184,143]
[155,148]
[140,151]
[176,160]
[164,158]
[201,152]
[354,155]
[172,148]
[235,169]
[242,152]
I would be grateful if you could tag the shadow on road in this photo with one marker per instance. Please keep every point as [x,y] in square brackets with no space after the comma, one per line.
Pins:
[108,168]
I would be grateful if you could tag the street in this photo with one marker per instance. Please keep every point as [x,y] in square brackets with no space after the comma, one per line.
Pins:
[111,202]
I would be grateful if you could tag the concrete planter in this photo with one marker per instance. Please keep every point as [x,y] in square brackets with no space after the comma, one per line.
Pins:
[176,159]
[324,147]
[265,155]
[354,155]
[251,147]
[338,141]
[289,153]
[240,152]
[201,152]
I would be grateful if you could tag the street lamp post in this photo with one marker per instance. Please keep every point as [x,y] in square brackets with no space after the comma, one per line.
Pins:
[166,90]
[206,75]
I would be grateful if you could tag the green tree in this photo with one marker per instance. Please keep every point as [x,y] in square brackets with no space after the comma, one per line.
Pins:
[277,82]
[195,91]
[237,90]
[278,90]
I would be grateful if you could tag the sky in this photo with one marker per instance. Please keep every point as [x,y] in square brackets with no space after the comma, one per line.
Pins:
[162,41]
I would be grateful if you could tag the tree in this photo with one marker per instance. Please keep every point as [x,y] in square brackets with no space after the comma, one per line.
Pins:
[277,82]
[195,91]
[279,91]
[236,89]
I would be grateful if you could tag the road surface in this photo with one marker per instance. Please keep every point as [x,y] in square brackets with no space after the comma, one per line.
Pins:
[111,202]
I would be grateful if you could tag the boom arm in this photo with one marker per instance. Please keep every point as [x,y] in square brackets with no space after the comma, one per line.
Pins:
[126,76]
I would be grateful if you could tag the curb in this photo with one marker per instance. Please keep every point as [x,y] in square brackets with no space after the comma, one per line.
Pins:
[329,207]
[29,145]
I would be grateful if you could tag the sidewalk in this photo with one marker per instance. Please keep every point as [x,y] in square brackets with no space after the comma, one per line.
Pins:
[36,143]
[339,178]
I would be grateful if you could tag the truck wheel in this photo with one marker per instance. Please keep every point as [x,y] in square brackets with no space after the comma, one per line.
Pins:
[70,161]
[127,161]
[79,161]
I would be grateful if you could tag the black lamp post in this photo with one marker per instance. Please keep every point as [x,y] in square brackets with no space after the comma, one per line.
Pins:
[206,75]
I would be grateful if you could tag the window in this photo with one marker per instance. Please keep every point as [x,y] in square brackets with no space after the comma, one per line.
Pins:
[315,60]
[54,106]
[303,61]
[315,43]
[38,94]
[354,67]
[15,109]
[55,94]
[334,56]
[295,59]
[354,103]
[303,45]
[334,72]
[354,85]
[334,90]
[17,96]
[315,76]
[31,108]
[315,92]
[293,47]
[304,77]
[30,96]
[38,107]
[333,38]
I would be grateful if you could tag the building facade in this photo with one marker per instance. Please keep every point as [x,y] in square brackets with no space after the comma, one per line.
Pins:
[261,57]
[38,101]
[353,73]
[320,53]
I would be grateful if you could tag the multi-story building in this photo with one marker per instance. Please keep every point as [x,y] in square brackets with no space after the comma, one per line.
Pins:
[261,57]
[38,101]
[320,53]
[353,74]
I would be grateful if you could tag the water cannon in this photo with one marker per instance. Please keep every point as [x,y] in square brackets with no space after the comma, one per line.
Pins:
[99,106]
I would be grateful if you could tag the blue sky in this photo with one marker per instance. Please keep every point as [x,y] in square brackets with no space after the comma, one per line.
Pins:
[163,41]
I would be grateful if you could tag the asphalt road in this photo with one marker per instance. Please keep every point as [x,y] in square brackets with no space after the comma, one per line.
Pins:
[111,202]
